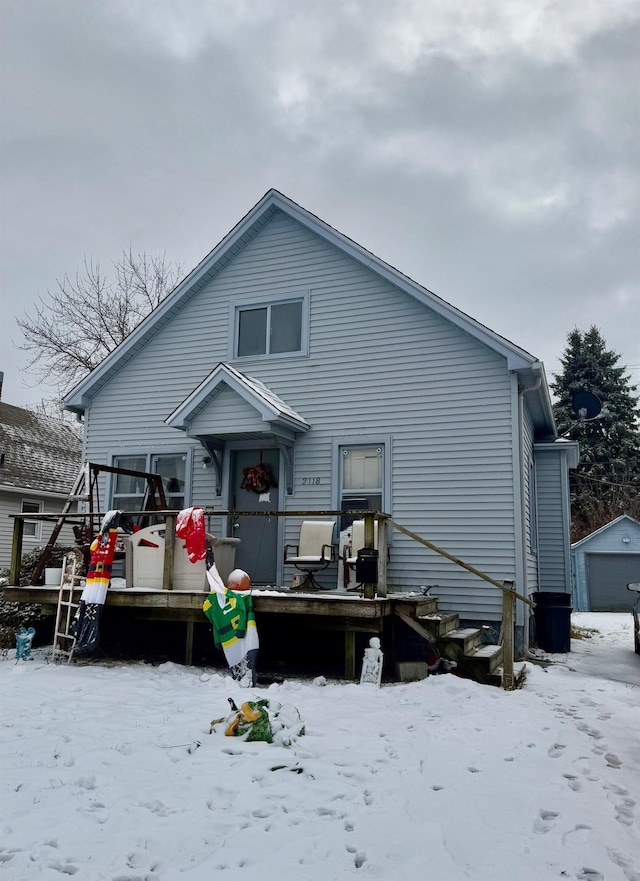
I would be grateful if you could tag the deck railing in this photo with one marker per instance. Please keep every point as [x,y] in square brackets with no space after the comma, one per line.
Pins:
[370,590]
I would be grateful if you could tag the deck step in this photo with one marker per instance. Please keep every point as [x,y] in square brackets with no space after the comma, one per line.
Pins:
[440,623]
[460,641]
[488,657]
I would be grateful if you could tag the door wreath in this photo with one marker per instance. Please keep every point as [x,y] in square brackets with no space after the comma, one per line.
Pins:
[258,478]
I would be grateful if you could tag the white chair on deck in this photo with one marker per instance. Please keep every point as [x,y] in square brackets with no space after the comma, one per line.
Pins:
[357,541]
[314,551]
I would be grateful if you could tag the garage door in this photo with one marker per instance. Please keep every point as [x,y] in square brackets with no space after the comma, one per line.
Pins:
[607,577]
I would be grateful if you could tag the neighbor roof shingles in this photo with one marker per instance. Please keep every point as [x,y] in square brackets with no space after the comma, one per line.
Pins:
[41,453]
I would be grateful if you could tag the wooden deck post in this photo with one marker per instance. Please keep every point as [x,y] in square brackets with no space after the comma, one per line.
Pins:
[349,654]
[16,551]
[508,620]
[382,557]
[188,652]
[169,548]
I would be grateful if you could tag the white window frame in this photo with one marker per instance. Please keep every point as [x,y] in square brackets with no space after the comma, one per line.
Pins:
[362,442]
[247,307]
[150,454]
[37,524]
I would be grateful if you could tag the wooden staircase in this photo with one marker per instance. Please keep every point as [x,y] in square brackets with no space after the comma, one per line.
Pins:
[475,658]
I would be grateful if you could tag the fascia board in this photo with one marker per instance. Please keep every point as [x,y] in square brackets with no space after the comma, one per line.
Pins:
[268,411]
[18,490]
[76,398]
[516,357]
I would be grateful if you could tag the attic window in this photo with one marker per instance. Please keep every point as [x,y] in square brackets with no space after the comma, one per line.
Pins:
[274,329]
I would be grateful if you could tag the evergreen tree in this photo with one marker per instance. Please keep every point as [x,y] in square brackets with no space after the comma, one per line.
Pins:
[606,483]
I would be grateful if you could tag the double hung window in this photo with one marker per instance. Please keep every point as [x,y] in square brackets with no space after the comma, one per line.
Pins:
[274,329]
[32,528]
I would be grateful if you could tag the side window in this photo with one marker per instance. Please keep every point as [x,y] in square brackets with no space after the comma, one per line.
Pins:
[361,480]
[275,329]
[128,491]
[32,528]
[171,468]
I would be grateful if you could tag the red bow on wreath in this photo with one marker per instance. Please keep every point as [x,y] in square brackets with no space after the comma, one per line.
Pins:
[258,478]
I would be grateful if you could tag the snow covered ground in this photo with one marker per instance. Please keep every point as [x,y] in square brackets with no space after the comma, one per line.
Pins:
[109,773]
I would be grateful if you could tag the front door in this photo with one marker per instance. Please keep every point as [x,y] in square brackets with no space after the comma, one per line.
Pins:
[257,552]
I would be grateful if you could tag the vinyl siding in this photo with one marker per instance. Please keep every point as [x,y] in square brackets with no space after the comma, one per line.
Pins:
[228,409]
[11,503]
[553,526]
[379,364]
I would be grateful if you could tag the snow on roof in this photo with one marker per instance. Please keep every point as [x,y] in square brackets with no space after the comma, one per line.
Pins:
[37,452]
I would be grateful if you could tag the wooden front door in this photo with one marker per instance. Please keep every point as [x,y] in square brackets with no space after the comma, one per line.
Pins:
[257,552]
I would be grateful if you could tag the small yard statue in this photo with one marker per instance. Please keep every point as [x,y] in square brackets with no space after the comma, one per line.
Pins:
[24,638]
[372,663]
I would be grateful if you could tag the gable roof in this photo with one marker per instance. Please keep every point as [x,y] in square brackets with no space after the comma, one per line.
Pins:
[271,408]
[604,529]
[528,367]
[37,453]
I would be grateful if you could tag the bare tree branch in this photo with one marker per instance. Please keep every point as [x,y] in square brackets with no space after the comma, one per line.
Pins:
[79,322]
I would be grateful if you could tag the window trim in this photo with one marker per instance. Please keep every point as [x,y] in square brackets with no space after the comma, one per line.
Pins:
[234,323]
[37,535]
[362,441]
[532,504]
[150,453]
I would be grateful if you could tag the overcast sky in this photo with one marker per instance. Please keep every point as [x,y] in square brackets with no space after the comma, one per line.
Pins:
[489,149]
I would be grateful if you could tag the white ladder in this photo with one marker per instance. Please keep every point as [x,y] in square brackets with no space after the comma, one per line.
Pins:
[64,642]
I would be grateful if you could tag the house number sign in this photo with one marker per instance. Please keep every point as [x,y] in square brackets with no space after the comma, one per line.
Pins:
[310,481]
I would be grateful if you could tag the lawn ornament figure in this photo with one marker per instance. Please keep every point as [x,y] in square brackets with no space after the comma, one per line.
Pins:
[24,638]
[372,663]
[229,608]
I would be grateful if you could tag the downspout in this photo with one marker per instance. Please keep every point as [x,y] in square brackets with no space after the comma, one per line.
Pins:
[522,391]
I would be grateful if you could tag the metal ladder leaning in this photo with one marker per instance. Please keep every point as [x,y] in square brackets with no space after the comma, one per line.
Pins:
[64,642]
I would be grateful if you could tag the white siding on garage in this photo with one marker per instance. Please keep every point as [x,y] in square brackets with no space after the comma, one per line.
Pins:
[379,364]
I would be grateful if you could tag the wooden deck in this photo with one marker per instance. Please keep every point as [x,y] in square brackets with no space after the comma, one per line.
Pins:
[331,610]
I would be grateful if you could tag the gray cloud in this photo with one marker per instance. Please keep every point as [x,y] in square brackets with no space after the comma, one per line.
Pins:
[488,150]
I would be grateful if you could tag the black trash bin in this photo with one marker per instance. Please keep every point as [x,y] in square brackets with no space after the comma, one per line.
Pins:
[553,621]
[367,566]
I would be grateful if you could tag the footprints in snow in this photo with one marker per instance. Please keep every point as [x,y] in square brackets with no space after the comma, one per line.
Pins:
[544,821]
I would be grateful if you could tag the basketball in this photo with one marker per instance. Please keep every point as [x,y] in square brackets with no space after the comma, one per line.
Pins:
[238,581]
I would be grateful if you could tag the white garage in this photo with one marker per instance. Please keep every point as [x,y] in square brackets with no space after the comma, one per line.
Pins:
[603,563]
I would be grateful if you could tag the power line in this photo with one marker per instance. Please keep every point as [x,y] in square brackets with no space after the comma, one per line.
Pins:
[606,482]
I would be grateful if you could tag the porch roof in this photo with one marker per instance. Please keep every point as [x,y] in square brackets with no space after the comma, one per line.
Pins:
[277,416]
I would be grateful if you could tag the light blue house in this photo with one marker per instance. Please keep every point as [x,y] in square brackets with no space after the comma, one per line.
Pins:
[292,346]
[603,563]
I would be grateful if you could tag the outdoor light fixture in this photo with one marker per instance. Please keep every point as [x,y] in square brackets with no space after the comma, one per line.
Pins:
[206,461]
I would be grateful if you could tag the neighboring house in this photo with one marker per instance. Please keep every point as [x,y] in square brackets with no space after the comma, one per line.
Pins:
[292,345]
[40,458]
[603,563]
